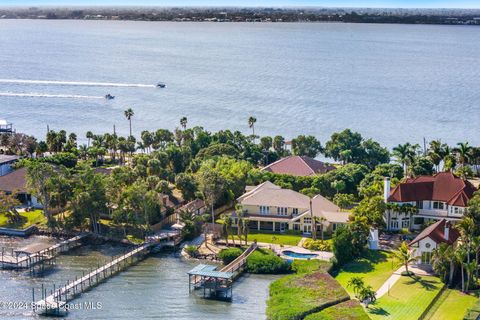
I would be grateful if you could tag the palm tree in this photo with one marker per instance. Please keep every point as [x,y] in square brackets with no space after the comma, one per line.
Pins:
[89,136]
[251,125]
[470,268]
[404,255]
[459,259]
[405,154]
[246,223]
[356,283]
[463,153]
[129,114]
[226,220]
[440,261]
[183,122]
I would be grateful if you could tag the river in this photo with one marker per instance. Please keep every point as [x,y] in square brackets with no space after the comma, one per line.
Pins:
[155,288]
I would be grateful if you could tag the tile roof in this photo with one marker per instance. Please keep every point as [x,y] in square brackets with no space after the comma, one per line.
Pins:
[436,232]
[8,158]
[443,186]
[14,181]
[298,166]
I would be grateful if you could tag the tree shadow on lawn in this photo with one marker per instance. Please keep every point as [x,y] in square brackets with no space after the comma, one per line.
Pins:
[377,311]
[366,263]
[425,283]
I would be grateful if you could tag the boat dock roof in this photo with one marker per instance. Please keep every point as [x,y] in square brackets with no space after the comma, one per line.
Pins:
[205,270]
[34,248]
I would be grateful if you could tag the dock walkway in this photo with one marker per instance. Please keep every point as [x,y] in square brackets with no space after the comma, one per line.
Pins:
[55,303]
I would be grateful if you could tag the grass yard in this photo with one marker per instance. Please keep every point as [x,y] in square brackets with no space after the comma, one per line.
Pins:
[28,218]
[275,238]
[375,268]
[408,299]
[452,305]
[349,310]
[305,292]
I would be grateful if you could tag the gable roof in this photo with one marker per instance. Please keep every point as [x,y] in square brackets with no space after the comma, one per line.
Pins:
[298,166]
[443,186]
[436,232]
[14,181]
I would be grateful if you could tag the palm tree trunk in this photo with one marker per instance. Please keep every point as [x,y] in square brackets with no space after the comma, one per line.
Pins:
[463,278]
[452,271]
[130,122]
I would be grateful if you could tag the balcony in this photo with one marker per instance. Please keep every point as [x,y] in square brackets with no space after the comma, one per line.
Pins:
[433,213]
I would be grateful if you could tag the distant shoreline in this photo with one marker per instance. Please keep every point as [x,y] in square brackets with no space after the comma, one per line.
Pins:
[252,15]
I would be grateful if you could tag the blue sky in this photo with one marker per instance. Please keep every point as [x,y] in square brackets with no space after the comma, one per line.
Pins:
[326,3]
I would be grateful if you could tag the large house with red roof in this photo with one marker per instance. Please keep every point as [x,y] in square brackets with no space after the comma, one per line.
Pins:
[298,166]
[441,196]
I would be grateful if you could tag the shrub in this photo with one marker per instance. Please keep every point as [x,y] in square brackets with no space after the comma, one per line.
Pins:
[265,261]
[317,245]
[309,266]
[192,251]
[230,254]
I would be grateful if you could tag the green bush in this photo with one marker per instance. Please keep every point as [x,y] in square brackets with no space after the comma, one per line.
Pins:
[309,266]
[192,251]
[266,261]
[230,254]
[317,245]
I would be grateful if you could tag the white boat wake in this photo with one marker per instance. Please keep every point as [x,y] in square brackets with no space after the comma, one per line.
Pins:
[75,83]
[41,95]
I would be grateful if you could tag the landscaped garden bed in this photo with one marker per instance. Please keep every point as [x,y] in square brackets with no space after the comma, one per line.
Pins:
[348,310]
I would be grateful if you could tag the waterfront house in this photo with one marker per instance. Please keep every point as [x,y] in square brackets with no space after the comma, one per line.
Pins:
[430,238]
[16,182]
[269,207]
[298,166]
[441,196]
[6,163]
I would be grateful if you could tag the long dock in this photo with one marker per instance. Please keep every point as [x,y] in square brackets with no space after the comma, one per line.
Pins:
[55,303]
[30,256]
[219,283]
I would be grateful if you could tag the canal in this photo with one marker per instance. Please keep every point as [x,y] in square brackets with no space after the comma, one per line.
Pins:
[156,288]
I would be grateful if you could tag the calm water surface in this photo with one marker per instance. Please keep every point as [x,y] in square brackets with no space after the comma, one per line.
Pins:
[156,288]
[394,83]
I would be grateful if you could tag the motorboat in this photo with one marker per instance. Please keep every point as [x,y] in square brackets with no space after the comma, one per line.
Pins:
[109,96]
[161,85]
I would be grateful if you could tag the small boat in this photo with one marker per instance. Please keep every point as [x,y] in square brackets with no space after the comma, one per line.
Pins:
[161,85]
[109,96]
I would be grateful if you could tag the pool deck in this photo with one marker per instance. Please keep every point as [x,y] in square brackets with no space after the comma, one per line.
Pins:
[321,255]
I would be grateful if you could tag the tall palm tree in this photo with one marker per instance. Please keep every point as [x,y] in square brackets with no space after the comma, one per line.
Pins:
[463,152]
[404,255]
[183,122]
[405,154]
[89,136]
[129,114]
[460,259]
[251,125]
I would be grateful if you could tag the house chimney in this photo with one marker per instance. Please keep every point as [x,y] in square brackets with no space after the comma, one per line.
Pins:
[386,189]
[446,232]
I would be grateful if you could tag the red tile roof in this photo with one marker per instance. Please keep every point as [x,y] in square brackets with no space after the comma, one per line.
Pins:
[298,166]
[14,181]
[436,232]
[443,186]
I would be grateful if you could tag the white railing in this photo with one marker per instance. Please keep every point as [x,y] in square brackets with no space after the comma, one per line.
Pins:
[433,212]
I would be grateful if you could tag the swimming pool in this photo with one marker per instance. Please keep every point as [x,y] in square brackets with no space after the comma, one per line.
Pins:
[298,255]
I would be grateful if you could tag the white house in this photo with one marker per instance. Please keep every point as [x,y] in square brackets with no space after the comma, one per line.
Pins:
[430,238]
[442,196]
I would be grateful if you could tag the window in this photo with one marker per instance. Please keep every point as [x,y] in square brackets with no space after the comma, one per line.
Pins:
[264,210]
[282,211]
[295,211]
[394,224]
[307,220]
[405,222]
[438,205]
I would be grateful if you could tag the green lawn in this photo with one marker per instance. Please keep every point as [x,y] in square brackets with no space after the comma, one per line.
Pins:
[349,310]
[452,305]
[305,292]
[407,299]
[375,268]
[28,218]
[275,238]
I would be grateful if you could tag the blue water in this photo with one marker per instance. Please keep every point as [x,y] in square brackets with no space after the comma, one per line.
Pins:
[299,255]
[394,83]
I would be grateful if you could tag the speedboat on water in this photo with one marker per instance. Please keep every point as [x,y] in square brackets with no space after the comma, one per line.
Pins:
[109,96]
[161,85]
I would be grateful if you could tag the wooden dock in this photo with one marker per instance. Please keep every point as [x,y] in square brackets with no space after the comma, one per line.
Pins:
[219,283]
[55,303]
[29,256]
